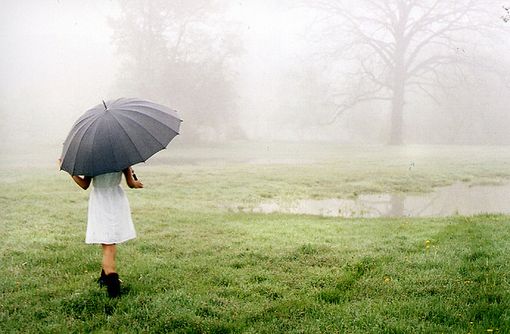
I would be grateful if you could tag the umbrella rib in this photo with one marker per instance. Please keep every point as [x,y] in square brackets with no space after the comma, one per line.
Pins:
[158,110]
[79,145]
[141,126]
[70,139]
[110,140]
[150,134]
[92,112]
[148,115]
[86,117]
[127,135]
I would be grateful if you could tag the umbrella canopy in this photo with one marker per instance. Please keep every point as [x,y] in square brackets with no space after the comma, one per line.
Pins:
[117,134]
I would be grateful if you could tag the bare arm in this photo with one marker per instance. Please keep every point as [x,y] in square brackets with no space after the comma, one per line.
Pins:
[130,180]
[82,181]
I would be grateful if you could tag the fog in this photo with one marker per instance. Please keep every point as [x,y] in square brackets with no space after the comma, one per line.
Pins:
[56,62]
[258,70]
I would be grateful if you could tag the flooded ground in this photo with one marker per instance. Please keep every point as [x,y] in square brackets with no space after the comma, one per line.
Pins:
[459,198]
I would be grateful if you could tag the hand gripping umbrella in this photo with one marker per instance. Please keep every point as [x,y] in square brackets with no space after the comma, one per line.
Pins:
[117,134]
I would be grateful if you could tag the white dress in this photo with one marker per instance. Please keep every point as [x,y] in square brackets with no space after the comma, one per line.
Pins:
[109,215]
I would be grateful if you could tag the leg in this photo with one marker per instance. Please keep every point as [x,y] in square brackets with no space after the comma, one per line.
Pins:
[110,278]
[109,252]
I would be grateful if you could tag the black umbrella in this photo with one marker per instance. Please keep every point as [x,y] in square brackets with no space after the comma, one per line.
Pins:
[117,134]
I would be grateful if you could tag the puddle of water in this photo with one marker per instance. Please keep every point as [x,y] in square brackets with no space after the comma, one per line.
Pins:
[459,198]
[280,161]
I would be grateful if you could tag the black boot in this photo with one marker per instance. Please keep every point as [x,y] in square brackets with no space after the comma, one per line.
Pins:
[112,285]
[102,280]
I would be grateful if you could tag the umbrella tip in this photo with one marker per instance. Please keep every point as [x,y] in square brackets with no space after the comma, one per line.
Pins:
[105,107]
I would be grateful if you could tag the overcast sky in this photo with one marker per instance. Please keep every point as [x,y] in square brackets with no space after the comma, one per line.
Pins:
[47,42]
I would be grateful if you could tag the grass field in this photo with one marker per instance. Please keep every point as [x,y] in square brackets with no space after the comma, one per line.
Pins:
[198,266]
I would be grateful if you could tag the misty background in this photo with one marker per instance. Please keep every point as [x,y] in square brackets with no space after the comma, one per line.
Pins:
[365,72]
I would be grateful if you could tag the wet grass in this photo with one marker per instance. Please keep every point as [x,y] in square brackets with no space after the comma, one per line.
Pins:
[198,267]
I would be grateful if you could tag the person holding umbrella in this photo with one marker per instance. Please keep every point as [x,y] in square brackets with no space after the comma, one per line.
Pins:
[109,220]
[102,145]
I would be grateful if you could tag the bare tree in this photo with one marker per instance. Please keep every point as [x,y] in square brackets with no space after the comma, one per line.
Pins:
[474,106]
[506,16]
[398,46]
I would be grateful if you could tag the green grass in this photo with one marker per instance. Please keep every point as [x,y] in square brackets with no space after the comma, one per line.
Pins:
[198,266]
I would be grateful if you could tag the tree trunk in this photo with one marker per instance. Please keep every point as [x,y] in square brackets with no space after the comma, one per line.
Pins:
[397,115]
[397,101]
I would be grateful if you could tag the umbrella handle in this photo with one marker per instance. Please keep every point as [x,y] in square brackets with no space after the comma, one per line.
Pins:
[134,176]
